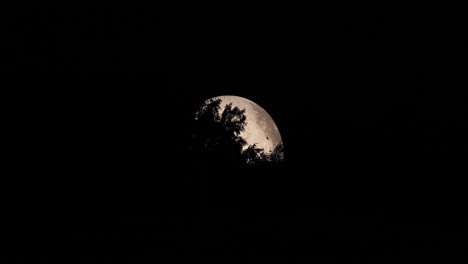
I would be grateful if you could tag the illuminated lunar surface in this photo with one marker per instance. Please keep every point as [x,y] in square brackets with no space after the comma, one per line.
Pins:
[260,128]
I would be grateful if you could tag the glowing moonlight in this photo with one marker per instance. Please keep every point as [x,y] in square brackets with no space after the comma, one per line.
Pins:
[259,129]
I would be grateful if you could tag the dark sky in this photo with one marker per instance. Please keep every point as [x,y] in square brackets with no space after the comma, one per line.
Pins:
[368,105]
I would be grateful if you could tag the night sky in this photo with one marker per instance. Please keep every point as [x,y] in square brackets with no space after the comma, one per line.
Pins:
[369,105]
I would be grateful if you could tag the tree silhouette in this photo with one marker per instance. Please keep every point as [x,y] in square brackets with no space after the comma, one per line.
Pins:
[277,154]
[253,154]
[257,156]
[217,142]
[216,139]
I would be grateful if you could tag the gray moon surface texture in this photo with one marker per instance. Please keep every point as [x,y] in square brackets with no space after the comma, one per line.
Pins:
[260,129]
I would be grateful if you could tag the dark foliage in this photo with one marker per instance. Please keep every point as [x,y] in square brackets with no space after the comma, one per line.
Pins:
[217,141]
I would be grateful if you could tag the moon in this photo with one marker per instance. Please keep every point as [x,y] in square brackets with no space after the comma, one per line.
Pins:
[260,129]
